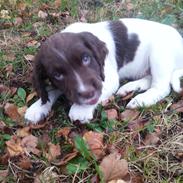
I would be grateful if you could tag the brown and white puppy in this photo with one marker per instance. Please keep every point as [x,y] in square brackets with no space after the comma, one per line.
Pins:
[86,62]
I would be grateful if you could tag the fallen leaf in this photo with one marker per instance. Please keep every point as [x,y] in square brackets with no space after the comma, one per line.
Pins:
[32,43]
[95,143]
[37,126]
[151,139]
[66,159]
[9,69]
[3,175]
[57,3]
[21,6]
[14,147]
[23,132]
[53,151]
[137,124]
[18,21]
[136,178]
[111,114]
[128,96]
[42,14]
[29,144]
[106,102]
[64,132]
[31,96]
[29,57]
[9,57]
[12,111]
[22,110]
[25,163]
[114,168]
[129,115]
[4,89]
[178,107]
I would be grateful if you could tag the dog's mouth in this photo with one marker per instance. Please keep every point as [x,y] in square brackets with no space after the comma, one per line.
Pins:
[90,101]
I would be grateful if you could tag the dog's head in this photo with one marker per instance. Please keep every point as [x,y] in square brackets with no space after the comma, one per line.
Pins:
[74,63]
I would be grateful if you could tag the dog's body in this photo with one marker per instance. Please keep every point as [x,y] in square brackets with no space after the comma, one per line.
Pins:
[147,52]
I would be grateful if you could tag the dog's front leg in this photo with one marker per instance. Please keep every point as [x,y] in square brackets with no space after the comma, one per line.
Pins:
[38,111]
[83,113]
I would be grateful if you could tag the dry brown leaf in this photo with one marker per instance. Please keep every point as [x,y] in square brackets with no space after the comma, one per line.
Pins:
[114,168]
[14,147]
[129,115]
[53,151]
[107,101]
[29,144]
[136,178]
[137,124]
[128,96]
[67,158]
[111,114]
[9,69]
[37,126]
[178,107]
[21,6]
[29,57]
[22,110]
[151,139]
[25,163]
[42,14]
[23,132]
[32,43]
[12,111]
[57,3]
[95,143]
[31,96]
[4,89]
[64,132]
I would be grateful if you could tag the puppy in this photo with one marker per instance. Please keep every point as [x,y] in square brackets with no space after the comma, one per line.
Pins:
[87,61]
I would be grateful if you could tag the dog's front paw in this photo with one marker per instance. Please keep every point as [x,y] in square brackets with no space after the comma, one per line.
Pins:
[83,113]
[36,112]
[138,101]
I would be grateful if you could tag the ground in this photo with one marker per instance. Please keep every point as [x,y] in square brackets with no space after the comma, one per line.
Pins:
[119,145]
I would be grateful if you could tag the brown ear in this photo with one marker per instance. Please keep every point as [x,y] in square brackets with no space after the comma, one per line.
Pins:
[39,77]
[98,48]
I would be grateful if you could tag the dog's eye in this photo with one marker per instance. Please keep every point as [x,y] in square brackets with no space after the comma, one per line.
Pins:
[58,76]
[86,60]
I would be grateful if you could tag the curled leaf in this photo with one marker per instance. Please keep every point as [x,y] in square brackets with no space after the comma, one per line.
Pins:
[111,114]
[95,143]
[114,168]
[129,115]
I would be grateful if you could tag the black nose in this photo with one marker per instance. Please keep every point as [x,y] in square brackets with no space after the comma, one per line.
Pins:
[87,94]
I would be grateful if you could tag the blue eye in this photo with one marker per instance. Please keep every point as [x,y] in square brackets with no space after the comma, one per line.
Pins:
[59,76]
[86,60]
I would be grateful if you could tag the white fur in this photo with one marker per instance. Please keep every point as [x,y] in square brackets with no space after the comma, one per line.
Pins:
[37,112]
[159,54]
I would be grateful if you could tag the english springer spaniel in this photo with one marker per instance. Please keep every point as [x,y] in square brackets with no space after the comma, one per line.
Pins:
[87,61]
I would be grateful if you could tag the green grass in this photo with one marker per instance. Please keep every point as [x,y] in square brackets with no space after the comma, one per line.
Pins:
[157,164]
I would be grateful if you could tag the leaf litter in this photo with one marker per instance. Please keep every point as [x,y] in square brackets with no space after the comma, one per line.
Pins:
[117,154]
